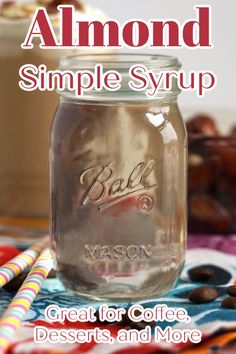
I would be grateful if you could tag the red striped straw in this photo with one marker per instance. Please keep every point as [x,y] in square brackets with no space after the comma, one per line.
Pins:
[16,311]
[18,264]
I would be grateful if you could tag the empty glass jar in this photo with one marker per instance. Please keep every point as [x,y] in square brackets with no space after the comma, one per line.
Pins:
[118,185]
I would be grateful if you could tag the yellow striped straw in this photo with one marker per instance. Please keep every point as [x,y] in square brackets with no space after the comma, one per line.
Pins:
[18,264]
[16,311]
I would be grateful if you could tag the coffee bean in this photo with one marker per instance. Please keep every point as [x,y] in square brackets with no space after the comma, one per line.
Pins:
[203,294]
[201,274]
[15,284]
[126,321]
[138,325]
[232,290]
[137,313]
[52,274]
[125,318]
[97,315]
[105,322]
[229,302]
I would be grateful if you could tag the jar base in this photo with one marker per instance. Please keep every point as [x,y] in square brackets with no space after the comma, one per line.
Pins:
[153,285]
[118,298]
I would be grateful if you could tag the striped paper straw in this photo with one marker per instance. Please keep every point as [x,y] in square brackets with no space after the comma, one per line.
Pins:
[18,264]
[15,313]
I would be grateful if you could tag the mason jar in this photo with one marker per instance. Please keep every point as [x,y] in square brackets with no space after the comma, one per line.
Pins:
[118,185]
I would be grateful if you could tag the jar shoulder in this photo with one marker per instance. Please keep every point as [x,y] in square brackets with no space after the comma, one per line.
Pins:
[93,119]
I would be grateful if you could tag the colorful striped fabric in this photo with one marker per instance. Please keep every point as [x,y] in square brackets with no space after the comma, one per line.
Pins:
[18,264]
[217,324]
[21,303]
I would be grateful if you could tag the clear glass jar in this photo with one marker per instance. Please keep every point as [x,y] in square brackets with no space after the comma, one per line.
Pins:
[118,186]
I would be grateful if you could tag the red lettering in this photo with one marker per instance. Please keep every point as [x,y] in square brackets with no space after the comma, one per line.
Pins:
[140,38]
[40,27]
[98,34]
[25,74]
[207,81]
[134,33]
[143,82]
[57,79]
[85,81]
[184,85]
[196,33]
[159,34]
[67,20]
[112,80]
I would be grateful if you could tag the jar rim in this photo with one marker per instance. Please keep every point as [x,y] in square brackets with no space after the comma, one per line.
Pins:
[122,63]
[122,60]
